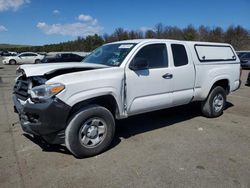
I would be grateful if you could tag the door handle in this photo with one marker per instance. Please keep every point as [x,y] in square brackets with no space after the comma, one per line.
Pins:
[167,76]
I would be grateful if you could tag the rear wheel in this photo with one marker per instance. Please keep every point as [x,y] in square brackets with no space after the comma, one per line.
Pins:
[12,62]
[90,131]
[215,103]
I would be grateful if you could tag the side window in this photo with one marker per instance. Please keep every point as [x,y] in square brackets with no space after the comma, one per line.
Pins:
[75,56]
[155,54]
[31,55]
[65,56]
[23,55]
[179,55]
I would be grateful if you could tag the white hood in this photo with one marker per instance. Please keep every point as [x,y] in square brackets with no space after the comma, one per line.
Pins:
[41,69]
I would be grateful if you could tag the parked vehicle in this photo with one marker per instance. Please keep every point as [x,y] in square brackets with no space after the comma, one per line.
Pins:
[77,103]
[241,53]
[23,58]
[7,53]
[245,60]
[62,57]
[248,79]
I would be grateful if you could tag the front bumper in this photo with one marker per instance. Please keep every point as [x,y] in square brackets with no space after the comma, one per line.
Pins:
[47,119]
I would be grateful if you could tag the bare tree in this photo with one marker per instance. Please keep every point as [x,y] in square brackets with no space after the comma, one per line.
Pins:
[173,33]
[120,34]
[216,35]
[203,33]
[150,34]
[238,37]
[159,30]
[190,33]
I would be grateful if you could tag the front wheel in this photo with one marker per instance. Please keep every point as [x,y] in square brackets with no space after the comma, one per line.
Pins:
[90,131]
[215,103]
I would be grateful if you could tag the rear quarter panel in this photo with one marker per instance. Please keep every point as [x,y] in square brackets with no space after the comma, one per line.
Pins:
[207,73]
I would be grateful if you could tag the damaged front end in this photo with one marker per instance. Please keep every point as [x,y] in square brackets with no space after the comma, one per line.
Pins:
[23,85]
[40,111]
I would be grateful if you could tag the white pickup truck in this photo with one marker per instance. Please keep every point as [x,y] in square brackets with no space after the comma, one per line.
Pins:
[76,104]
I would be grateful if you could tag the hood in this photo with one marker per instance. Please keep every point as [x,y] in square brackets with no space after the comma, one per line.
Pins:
[60,68]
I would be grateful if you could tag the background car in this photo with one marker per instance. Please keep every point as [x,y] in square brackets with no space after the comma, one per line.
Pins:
[248,80]
[23,58]
[7,53]
[62,57]
[241,53]
[245,60]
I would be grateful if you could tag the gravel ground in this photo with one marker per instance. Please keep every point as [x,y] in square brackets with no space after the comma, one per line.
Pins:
[169,148]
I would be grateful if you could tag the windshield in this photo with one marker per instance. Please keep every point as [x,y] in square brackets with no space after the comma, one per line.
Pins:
[110,54]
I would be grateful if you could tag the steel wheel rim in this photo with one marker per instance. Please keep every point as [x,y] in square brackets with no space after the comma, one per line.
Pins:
[92,132]
[218,102]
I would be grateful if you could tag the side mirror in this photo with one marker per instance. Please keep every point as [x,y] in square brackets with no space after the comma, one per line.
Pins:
[139,64]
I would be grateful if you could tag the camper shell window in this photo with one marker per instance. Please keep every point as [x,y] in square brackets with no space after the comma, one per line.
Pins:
[212,53]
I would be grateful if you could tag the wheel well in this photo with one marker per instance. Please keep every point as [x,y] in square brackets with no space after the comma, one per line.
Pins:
[107,101]
[12,60]
[37,60]
[223,83]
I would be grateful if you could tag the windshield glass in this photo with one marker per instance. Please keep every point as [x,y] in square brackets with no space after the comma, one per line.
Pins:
[110,54]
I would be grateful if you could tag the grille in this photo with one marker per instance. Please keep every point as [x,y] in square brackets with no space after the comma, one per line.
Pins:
[21,89]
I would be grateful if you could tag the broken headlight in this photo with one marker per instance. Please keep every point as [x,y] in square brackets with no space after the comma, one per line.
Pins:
[46,91]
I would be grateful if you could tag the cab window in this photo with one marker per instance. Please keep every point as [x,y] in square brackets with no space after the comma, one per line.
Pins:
[179,55]
[155,55]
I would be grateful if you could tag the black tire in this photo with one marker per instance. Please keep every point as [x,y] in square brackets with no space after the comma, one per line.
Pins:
[76,127]
[12,62]
[209,109]
[37,61]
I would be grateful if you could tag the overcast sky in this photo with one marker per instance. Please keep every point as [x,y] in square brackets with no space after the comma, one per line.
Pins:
[40,22]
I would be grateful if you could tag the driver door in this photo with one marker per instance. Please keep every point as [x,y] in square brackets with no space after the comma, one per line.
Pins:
[149,88]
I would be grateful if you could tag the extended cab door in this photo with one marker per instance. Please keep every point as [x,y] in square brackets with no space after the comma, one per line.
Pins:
[183,73]
[148,80]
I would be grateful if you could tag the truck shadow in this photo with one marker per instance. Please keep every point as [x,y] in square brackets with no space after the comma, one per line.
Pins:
[135,125]
[155,120]
[47,147]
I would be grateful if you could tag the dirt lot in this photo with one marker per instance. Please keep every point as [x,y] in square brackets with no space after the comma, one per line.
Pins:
[170,148]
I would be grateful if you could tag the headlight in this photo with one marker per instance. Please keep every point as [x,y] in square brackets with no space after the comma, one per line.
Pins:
[46,91]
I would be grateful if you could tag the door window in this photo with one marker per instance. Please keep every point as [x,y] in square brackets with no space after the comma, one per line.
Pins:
[23,55]
[155,54]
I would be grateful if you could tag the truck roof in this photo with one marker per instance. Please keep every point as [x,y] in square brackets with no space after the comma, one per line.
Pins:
[137,41]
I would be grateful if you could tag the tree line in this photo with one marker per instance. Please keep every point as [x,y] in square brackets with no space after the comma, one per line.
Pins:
[237,36]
